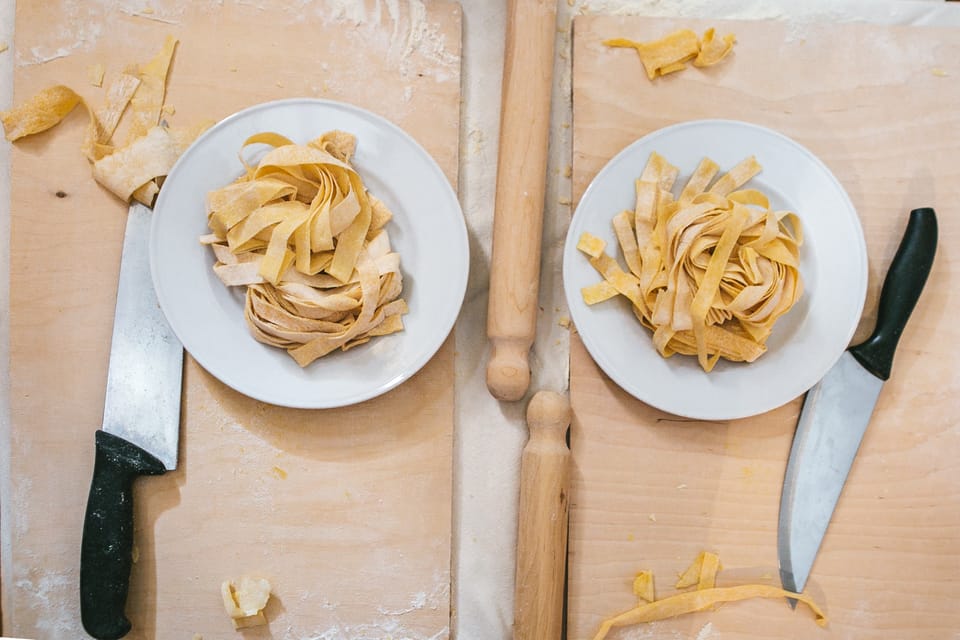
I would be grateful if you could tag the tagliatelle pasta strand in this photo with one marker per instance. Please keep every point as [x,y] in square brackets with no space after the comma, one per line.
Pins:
[711,271]
[135,169]
[672,52]
[42,111]
[301,233]
[702,575]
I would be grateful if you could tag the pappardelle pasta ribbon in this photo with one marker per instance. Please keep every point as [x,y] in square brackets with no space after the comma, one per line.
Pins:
[301,233]
[711,271]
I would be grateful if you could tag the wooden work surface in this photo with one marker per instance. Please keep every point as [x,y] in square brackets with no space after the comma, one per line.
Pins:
[347,512]
[879,106]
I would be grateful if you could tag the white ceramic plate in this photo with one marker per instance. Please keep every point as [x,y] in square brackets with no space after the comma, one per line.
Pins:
[428,231]
[805,342]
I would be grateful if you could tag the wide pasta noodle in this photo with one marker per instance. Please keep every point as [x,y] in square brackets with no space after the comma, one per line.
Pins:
[672,52]
[135,169]
[702,575]
[301,233]
[711,271]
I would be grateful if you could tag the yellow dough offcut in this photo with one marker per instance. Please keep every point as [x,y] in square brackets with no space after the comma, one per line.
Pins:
[672,52]
[134,169]
[702,575]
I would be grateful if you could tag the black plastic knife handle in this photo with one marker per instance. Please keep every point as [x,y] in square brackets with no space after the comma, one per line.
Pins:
[107,547]
[901,290]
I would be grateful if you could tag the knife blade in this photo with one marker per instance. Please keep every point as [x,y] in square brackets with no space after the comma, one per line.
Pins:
[837,410]
[139,434]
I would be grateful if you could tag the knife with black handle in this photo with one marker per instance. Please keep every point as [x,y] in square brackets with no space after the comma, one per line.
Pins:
[837,410]
[139,435]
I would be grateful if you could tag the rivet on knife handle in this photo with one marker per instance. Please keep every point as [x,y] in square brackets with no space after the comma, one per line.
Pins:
[107,547]
[521,180]
[542,529]
[901,289]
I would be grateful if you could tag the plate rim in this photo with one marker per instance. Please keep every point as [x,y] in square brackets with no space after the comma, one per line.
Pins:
[458,288]
[570,247]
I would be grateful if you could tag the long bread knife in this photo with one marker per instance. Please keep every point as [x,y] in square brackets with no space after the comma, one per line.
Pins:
[139,435]
[837,410]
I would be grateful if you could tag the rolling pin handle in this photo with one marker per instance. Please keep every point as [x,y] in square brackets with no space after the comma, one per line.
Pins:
[548,416]
[508,371]
[520,192]
[542,529]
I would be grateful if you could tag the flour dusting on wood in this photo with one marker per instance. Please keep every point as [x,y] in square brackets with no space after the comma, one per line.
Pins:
[411,39]
[52,597]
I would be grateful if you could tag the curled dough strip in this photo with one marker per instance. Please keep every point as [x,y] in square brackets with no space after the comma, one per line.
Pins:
[300,232]
[130,171]
[709,272]
[702,575]
[672,52]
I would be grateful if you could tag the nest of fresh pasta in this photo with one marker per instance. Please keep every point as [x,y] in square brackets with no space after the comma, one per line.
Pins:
[302,235]
[709,271]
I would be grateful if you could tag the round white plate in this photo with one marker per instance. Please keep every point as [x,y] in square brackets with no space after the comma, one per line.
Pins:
[427,230]
[805,342]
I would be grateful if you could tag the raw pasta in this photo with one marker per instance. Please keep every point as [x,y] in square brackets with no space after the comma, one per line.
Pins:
[132,170]
[672,52]
[301,233]
[702,574]
[709,272]
[244,602]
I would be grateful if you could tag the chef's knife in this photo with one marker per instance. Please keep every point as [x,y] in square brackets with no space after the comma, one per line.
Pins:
[837,410]
[141,425]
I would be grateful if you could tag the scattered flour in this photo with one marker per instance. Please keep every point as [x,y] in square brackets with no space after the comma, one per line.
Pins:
[389,625]
[798,16]
[706,632]
[648,631]
[414,41]
[433,600]
[149,16]
[376,632]
[51,596]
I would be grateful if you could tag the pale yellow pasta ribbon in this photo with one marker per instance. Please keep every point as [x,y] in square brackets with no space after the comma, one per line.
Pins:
[701,574]
[301,233]
[711,271]
[672,52]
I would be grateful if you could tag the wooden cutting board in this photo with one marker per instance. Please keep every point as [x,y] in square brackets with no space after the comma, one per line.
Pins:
[347,512]
[879,107]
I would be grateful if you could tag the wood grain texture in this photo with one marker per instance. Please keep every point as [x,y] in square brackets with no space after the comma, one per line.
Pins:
[651,490]
[347,512]
[542,527]
[521,180]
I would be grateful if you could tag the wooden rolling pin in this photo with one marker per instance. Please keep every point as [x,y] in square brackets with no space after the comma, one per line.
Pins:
[521,180]
[542,530]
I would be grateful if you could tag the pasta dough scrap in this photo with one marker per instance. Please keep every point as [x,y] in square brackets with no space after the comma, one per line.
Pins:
[711,271]
[591,245]
[95,73]
[104,121]
[307,241]
[130,168]
[245,601]
[643,586]
[148,100]
[146,156]
[672,52]
[702,574]
[44,110]
[712,50]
